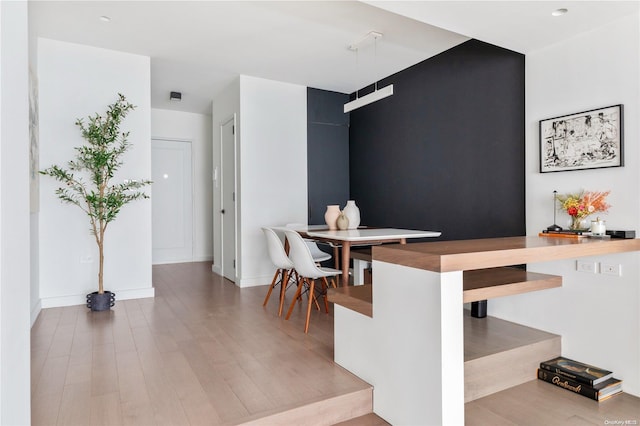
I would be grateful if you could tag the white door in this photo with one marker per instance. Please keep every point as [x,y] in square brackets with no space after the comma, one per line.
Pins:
[171,201]
[228,205]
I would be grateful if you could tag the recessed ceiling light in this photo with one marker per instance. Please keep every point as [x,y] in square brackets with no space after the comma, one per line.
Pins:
[105,18]
[559,12]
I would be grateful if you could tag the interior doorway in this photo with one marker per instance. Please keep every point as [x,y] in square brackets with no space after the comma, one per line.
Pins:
[171,201]
[228,198]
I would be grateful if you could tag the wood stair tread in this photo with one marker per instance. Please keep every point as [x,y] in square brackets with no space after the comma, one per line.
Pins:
[483,284]
[357,298]
[480,284]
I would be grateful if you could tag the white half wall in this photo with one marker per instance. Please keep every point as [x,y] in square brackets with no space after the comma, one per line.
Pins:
[598,316]
[273,169]
[76,81]
[195,128]
[15,366]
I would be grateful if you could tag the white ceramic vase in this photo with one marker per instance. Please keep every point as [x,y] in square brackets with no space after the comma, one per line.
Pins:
[331,215]
[353,214]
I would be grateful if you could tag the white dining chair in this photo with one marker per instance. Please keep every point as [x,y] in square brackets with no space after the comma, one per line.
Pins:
[285,272]
[317,254]
[308,272]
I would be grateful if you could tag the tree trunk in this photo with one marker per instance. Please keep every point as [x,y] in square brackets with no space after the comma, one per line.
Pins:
[101,270]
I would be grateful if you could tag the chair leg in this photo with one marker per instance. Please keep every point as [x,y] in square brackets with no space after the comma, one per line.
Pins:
[311,290]
[273,284]
[325,288]
[295,297]
[315,299]
[283,289]
[333,282]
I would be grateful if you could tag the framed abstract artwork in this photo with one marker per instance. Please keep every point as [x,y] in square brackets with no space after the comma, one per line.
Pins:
[586,140]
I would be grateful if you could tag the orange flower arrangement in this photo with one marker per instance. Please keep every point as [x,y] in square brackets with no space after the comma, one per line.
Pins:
[581,205]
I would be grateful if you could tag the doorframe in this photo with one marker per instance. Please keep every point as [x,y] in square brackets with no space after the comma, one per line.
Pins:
[193,198]
[230,119]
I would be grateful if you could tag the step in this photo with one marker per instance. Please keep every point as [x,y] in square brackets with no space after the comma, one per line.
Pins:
[483,284]
[539,403]
[501,354]
[322,412]
[480,284]
[355,297]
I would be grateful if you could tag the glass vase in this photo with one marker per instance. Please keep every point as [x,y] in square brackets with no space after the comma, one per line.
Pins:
[578,223]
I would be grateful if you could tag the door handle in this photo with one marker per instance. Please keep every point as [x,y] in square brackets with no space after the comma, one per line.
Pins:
[222,211]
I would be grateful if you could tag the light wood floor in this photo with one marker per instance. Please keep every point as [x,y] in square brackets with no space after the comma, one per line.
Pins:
[202,352]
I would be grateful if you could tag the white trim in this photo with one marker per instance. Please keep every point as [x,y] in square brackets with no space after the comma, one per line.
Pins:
[81,299]
[254,281]
[231,119]
[195,259]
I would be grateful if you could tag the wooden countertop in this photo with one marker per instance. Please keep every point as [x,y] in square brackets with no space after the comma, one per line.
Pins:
[463,255]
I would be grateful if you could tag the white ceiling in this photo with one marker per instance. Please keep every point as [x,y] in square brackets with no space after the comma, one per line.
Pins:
[199,47]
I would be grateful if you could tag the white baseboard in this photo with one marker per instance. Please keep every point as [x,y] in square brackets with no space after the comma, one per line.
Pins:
[194,259]
[81,299]
[216,269]
[203,259]
[254,281]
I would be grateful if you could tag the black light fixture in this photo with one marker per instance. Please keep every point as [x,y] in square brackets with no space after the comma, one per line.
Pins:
[554,227]
[175,96]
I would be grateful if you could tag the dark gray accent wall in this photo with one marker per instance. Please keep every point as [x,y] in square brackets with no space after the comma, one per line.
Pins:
[446,152]
[327,152]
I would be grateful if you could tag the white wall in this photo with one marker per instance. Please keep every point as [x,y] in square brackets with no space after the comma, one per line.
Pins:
[15,407]
[597,315]
[271,133]
[76,81]
[273,168]
[224,107]
[196,128]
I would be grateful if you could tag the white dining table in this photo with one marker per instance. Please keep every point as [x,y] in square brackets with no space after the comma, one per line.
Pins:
[361,236]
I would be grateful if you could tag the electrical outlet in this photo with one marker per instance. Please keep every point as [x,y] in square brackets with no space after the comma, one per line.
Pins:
[584,266]
[611,269]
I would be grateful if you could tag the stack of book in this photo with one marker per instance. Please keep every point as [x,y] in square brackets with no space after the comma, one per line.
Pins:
[583,379]
[565,233]
[569,233]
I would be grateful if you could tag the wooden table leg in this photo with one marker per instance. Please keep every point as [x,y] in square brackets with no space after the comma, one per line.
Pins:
[346,248]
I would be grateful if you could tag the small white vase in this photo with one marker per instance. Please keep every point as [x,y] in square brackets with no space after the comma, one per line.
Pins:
[353,214]
[331,215]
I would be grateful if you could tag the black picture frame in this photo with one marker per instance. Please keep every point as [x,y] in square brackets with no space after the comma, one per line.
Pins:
[585,140]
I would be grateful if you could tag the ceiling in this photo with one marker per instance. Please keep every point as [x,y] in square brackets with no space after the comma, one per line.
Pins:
[199,47]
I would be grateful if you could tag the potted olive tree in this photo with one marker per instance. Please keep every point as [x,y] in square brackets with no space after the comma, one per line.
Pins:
[86,182]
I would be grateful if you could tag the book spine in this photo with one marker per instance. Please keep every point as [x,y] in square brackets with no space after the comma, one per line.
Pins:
[574,236]
[568,384]
[565,373]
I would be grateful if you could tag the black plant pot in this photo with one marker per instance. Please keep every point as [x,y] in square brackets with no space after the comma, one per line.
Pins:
[101,302]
